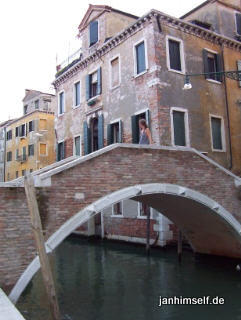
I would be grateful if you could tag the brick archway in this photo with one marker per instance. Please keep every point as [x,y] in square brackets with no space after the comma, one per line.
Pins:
[199,231]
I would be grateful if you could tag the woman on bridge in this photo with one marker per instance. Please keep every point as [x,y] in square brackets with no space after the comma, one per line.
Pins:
[145,133]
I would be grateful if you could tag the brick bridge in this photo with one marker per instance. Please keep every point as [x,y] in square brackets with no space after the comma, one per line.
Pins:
[199,196]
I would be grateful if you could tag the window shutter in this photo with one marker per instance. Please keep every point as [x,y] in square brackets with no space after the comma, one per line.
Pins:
[238,23]
[219,77]
[109,134]
[239,69]
[93,32]
[120,131]
[135,129]
[57,152]
[33,124]
[26,128]
[101,131]
[205,63]
[99,81]
[87,86]
[179,128]
[148,120]
[86,138]
[63,150]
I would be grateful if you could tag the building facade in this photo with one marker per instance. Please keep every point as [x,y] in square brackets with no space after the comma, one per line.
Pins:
[3,126]
[30,139]
[132,68]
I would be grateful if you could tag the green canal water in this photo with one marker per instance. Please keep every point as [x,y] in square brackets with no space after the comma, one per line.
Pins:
[116,281]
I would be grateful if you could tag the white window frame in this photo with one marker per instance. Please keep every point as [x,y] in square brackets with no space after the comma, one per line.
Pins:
[113,215]
[110,74]
[74,94]
[214,52]
[59,93]
[182,55]
[186,122]
[222,133]
[90,46]
[77,135]
[139,216]
[43,155]
[134,56]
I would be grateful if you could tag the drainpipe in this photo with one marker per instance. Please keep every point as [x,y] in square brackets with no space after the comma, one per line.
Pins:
[228,114]
[4,155]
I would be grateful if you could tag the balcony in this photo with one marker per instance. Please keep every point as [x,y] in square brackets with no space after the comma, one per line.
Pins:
[22,158]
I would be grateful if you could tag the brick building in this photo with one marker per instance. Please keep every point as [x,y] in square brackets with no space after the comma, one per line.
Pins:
[131,68]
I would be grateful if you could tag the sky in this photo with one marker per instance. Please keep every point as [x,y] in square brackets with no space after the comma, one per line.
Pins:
[35,34]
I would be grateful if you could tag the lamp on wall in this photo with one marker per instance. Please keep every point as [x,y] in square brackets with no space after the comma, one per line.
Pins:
[187,83]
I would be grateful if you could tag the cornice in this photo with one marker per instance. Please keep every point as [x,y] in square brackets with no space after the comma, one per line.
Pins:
[164,19]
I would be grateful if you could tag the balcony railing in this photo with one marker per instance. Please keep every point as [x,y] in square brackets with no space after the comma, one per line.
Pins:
[22,158]
[75,56]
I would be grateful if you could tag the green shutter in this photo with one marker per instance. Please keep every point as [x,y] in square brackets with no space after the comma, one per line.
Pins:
[120,131]
[99,81]
[239,69]
[219,77]
[205,63]
[93,29]
[135,129]
[86,138]
[87,86]
[109,134]
[101,131]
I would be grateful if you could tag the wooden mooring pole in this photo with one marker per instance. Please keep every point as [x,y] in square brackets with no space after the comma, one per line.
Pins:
[179,245]
[148,224]
[40,246]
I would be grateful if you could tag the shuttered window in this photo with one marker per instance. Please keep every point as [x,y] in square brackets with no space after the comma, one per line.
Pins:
[93,32]
[9,156]
[16,132]
[135,124]
[140,58]
[174,55]
[239,69]
[212,64]
[77,94]
[9,135]
[24,153]
[77,146]
[43,149]
[86,138]
[238,23]
[31,150]
[115,72]
[101,131]
[61,103]
[36,104]
[179,130]
[216,127]
[60,151]
[93,84]
[114,132]
[31,126]
[22,130]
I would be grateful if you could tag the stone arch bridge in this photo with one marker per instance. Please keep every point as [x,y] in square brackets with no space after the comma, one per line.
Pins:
[198,195]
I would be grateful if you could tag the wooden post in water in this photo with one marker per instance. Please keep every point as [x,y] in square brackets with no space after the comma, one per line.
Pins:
[179,245]
[148,224]
[40,246]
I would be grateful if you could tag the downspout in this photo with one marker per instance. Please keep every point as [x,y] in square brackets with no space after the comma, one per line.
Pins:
[4,156]
[228,115]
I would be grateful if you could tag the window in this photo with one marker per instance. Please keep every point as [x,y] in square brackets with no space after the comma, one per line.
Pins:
[93,84]
[9,135]
[17,154]
[23,172]
[31,170]
[115,72]
[114,132]
[60,151]
[25,109]
[217,133]
[22,130]
[77,94]
[77,143]
[140,56]
[175,55]
[42,124]
[143,210]
[61,102]
[202,24]
[16,174]
[179,120]
[31,126]
[93,32]
[16,131]
[117,209]
[24,154]
[9,156]
[238,23]
[135,124]
[43,149]
[31,150]
[212,65]
[36,104]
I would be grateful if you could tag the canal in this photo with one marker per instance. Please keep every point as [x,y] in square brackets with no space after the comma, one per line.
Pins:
[102,280]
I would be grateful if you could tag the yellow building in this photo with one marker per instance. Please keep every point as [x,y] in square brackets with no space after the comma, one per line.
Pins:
[30,144]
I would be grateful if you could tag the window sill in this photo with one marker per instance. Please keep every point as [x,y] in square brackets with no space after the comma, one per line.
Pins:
[113,88]
[75,107]
[140,74]
[144,217]
[60,115]
[214,81]
[117,216]
[176,71]
[218,150]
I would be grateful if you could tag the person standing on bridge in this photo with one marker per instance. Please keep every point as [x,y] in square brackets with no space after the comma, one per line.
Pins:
[145,133]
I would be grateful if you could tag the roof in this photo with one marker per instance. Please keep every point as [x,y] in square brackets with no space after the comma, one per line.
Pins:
[101,9]
[30,94]
[29,114]
[197,8]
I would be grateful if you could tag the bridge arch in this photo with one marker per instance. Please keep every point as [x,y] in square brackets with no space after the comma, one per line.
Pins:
[195,213]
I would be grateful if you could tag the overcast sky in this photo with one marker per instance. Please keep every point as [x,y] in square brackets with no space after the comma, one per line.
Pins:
[35,32]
